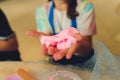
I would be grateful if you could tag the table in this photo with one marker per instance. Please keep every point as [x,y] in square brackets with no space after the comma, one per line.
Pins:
[107,67]
[38,70]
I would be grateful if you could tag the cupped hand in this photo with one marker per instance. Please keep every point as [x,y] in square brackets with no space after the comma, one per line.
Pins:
[69,51]
[52,50]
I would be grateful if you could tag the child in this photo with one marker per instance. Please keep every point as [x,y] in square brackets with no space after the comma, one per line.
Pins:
[57,15]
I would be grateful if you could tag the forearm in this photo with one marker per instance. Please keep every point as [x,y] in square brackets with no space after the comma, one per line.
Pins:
[84,46]
[9,45]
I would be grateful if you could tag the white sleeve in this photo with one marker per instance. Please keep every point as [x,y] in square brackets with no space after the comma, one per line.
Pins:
[86,20]
[42,21]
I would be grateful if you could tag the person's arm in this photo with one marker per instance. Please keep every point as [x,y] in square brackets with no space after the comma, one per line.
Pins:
[84,46]
[9,44]
[87,27]
[8,40]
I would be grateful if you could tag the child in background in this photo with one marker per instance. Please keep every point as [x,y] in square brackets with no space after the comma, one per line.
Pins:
[57,15]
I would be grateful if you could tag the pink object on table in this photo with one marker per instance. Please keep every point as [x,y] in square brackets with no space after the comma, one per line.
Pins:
[14,77]
[62,40]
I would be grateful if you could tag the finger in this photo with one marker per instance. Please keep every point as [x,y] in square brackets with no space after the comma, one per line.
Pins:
[44,49]
[71,51]
[56,50]
[60,54]
[34,33]
[51,50]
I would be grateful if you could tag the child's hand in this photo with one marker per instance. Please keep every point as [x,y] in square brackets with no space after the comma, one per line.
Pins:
[52,50]
[69,51]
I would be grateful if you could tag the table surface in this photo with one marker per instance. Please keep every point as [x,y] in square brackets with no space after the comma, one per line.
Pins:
[39,69]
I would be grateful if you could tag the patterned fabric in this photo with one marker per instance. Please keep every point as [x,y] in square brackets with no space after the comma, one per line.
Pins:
[85,20]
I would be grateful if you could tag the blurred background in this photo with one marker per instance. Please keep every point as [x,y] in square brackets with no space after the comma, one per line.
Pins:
[21,16]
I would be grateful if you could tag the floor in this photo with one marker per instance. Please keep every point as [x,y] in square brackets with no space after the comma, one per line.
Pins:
[21,15]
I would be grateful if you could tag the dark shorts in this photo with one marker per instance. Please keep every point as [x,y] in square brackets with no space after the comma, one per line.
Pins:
[10,56]
[75,59]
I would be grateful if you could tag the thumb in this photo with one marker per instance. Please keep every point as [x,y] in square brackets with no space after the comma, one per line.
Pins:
[78,36]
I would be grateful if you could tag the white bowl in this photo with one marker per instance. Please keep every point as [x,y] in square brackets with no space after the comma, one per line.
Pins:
[63,75]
